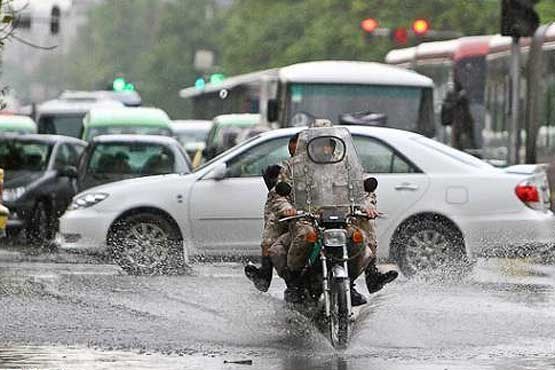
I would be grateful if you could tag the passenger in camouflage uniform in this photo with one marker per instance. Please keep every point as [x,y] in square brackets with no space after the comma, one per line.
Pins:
[273,229]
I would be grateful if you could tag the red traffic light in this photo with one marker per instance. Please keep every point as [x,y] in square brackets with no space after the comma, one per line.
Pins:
[369,25]
[420,27]
[400,35]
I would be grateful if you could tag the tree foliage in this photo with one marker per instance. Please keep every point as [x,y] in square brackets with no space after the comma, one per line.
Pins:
[271,33]
[150,43]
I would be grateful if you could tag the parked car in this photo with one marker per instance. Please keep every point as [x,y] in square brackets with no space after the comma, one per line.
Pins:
[110,121]
[110,158]
[4,212]
[438,202]
[65,116]
[39,181]
[192,134]
[15,124]
[225,132]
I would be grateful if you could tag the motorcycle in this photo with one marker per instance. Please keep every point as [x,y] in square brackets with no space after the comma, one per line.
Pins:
[328,282]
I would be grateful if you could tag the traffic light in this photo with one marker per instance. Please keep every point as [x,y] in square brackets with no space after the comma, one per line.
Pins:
[119,84]
[369,25]
[200,83]
[399,35]
[217,78]
[420,27]
[55,14]
[518,18]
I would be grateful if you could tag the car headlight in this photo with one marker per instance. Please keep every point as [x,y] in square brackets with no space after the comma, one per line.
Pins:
[335,237]
[13,194]
[87,200]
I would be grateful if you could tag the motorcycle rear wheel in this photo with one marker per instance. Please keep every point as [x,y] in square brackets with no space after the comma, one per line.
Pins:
[339,323]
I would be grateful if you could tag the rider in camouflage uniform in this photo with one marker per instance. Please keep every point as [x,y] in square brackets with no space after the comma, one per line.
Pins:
[273,229]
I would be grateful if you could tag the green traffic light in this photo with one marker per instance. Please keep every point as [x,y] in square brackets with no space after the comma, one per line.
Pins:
[200,83]
[217,78]
[119,84]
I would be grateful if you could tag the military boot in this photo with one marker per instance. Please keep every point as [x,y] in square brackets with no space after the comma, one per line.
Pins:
[375,280]
[294,293]
[261,277]
[357,299]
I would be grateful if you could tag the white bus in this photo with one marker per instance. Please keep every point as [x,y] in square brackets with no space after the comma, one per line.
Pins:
[323,89]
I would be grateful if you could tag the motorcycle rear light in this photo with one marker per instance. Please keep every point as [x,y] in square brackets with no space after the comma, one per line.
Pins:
[312,236]
[357,237]
[527,193]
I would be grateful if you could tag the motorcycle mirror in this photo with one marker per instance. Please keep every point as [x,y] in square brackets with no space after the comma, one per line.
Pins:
[370,184]
[283,189]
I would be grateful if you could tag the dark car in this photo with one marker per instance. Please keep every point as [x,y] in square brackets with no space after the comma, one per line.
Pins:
[110,158]
[39,182]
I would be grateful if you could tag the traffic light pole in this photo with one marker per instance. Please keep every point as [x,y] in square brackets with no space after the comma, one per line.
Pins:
[514,134]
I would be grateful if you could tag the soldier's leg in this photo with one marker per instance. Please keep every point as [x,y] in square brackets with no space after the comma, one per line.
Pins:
[278,254]
[300,247]
[360,256]
[262,277]
[375,280]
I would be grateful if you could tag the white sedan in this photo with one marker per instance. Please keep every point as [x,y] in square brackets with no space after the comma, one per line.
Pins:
[439,204]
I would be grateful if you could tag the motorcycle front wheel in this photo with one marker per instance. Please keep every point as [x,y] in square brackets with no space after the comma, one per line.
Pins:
[339,322]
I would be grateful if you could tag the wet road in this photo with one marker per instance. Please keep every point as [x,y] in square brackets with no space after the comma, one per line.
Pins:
[93,316]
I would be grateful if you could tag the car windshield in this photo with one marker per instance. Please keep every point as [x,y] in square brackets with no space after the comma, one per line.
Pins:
[24,155]
[127,130]
[400,104]
[452,153]
[236,148]
[138,159]
[67,125]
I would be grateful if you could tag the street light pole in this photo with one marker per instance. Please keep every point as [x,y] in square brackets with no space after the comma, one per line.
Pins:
[514,134]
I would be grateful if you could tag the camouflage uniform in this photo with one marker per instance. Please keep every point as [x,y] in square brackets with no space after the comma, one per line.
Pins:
[291,249]
[272,227]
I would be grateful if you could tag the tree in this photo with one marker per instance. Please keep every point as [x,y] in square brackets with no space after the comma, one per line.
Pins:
[150,43]
[7,17]
[186,26]
[116,40]
[265,33]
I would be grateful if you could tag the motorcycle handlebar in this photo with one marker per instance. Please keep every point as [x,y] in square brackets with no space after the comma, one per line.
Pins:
[301,214]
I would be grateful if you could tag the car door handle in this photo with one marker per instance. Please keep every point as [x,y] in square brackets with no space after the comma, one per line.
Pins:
[406,186]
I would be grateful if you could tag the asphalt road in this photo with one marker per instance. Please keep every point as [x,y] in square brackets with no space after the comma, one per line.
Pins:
[57,312]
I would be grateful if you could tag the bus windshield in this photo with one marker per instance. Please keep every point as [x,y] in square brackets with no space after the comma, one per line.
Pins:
[67,125]
[402,105]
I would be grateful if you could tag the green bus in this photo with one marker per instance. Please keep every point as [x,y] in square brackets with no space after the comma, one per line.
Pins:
[113,121]
[17,124]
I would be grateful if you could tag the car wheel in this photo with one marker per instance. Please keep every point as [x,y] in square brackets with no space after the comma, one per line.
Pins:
[429,245]
[39,231]
[146,244]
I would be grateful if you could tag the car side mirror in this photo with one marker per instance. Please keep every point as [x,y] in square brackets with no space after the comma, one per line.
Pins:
[272,110]
[68,171]
[218,173]
[370,184]
[283,189]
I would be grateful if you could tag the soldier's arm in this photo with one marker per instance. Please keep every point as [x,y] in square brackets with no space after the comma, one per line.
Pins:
[282,205]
